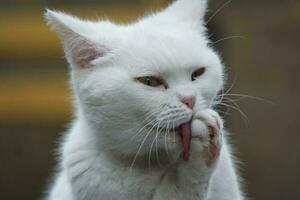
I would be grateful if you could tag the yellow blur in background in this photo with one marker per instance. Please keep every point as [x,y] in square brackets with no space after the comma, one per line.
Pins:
[257,39]
[26,40]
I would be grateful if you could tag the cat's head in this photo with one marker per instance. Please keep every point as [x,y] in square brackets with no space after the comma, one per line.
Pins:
[135,83]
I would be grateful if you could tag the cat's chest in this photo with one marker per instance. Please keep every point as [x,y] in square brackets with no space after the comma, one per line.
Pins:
[133,186]
[108,181]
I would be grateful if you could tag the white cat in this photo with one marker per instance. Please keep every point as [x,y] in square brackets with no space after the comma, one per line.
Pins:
[145,127]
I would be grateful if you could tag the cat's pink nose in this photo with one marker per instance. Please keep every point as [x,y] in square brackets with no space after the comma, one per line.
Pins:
[189,101]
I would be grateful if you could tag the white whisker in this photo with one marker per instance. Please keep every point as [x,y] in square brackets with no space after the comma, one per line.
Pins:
[151,146]
[167,135]
[250,97]
[244,116]
[228,38]
[217,11]
[141,145]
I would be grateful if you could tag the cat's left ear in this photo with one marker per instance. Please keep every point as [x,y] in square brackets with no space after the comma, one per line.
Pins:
[80,47]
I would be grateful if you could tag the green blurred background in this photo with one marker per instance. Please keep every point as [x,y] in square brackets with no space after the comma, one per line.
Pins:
[263,61]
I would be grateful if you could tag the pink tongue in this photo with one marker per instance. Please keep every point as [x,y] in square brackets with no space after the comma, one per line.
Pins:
[186,139]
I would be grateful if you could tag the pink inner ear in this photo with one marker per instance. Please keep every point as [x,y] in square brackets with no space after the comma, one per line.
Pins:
[84,52]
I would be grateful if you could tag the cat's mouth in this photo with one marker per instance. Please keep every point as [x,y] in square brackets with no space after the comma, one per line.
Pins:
[184,132]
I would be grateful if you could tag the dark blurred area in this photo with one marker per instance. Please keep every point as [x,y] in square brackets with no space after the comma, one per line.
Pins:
[257,39]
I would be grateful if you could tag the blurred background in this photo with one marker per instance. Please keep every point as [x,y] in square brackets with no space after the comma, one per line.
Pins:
[258,41]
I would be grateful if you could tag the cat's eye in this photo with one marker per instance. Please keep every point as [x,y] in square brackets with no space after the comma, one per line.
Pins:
[151,81]
[199,72]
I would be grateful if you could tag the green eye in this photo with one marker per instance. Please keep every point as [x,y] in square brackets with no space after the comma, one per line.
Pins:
[199,72]
[151,81]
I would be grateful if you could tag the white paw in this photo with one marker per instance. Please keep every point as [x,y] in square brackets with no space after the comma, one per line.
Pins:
[207,128]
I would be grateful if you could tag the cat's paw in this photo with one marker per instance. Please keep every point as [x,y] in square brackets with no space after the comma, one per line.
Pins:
[207,135]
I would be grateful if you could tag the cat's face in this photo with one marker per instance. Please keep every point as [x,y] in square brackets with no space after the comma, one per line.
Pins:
[135,84]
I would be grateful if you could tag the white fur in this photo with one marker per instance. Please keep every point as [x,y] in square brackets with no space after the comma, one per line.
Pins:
[111,151]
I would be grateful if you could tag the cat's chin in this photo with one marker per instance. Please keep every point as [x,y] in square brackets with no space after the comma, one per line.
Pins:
[157,153]
[158,159]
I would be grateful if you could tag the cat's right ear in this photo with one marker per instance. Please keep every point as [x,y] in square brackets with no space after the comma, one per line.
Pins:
[80,47]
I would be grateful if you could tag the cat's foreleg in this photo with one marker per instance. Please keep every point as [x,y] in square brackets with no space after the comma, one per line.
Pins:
[224,184]
[191,179]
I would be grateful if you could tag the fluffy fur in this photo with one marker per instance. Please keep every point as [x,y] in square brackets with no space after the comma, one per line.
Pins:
[123,143]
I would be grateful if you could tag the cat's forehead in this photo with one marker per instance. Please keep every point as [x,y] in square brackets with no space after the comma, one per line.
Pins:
[165,37]
[166,50]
